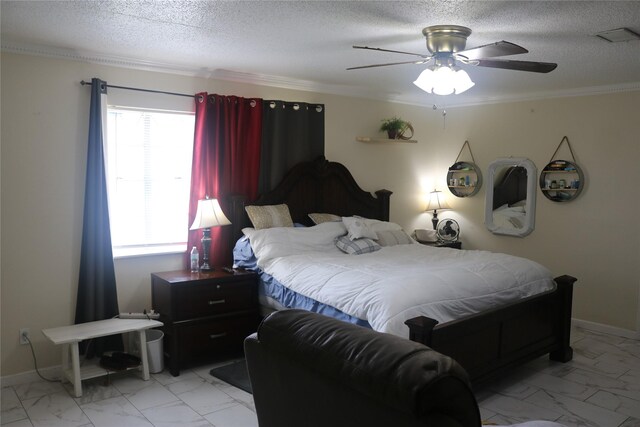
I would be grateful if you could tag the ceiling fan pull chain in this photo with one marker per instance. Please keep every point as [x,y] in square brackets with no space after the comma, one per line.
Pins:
[444,117]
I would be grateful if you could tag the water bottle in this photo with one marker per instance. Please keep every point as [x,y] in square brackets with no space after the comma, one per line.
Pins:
[195,259]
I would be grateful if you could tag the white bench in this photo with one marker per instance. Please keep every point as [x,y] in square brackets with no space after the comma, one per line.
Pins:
[70,336]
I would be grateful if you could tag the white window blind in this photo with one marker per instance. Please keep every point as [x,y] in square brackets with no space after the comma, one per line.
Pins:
[149,173]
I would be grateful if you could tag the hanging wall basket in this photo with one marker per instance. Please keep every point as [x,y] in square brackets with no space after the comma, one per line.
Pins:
[562,180]
[464,179]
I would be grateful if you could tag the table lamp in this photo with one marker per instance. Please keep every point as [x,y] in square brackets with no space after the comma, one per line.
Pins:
[209,214]
[436,203]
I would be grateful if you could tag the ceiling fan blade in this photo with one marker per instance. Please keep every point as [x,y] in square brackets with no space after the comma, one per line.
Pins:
[502,48]
[422,61]
[534,67]
[392,51]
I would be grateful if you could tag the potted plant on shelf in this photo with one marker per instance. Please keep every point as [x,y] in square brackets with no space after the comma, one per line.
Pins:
[394,127]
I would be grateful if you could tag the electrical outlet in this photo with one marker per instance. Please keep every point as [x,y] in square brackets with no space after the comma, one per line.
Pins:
[24,334]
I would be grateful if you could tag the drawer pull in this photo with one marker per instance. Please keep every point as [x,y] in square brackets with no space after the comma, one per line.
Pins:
[218,301]
[215,336]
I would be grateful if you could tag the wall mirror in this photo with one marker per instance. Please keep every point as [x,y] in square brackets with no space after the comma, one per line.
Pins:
[511,196]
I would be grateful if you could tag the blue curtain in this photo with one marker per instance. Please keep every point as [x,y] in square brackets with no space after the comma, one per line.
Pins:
[97,296]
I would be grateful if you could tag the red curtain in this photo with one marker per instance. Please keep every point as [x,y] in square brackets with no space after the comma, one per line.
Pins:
[226,162]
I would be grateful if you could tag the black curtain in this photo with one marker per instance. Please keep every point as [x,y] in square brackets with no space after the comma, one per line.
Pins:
[97,297]
[292,132]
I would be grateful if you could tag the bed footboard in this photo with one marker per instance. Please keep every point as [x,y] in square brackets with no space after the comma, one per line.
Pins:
[486,344]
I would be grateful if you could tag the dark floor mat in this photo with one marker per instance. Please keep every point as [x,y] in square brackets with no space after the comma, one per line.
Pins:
[235,374]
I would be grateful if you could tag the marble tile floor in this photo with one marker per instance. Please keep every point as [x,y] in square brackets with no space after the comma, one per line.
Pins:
[600,387]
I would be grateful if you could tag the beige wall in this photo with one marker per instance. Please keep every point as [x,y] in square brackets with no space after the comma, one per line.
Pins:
[44,129]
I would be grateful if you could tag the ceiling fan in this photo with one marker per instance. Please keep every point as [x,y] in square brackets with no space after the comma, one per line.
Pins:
[446,44]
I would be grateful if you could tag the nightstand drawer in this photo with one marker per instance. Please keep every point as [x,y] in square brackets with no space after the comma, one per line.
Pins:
[214,298]
[206,315]
[204,340]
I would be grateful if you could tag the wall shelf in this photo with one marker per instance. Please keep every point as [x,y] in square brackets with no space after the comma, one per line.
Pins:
[464,179]
[561,181]
[384,140]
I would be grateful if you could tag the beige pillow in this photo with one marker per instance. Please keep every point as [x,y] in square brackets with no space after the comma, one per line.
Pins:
[269,216]
[319,218]
[393,237]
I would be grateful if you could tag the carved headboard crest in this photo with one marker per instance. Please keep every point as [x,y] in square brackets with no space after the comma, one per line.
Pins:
[316,186]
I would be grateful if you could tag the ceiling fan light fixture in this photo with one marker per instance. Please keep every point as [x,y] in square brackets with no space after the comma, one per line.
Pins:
[444,80]
[463,81]
[425,80]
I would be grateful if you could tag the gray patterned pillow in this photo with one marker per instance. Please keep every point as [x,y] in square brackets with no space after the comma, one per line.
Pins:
[356,247]
[269,216]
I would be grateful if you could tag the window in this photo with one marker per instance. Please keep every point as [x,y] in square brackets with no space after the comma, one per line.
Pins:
[148,179]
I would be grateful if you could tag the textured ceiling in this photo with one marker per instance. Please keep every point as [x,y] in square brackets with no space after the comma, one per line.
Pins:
[307,45]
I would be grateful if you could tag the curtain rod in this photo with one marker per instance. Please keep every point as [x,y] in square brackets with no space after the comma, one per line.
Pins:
[83,83]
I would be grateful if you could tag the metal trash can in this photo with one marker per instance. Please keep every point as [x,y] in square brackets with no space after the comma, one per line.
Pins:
[155,352]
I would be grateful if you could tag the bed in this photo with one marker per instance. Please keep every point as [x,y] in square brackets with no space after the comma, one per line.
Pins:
[486,343]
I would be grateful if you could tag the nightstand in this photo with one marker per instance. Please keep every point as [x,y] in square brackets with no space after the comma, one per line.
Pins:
[205,314]
[454,245]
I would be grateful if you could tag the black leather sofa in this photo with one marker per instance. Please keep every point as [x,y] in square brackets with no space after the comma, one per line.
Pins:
[310,370]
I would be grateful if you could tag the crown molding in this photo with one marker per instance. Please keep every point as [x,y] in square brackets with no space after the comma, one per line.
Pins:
[96,58]
[294,84]
[285,83]
[538,96]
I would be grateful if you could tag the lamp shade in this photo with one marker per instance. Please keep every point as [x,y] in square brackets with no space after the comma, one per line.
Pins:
[444,80]
[209,214]
[437,201]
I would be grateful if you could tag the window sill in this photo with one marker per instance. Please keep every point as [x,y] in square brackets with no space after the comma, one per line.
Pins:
[138,251]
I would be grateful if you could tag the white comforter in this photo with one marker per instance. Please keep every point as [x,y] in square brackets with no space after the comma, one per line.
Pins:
[389,286]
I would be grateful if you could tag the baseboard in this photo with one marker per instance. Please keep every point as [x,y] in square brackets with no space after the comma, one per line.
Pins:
[52,372]
[599,327]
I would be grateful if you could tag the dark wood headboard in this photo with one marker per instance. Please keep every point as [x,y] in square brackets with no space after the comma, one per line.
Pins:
[512,188]
[318,186]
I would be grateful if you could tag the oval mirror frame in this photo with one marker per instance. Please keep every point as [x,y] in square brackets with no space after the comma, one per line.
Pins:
[496,171]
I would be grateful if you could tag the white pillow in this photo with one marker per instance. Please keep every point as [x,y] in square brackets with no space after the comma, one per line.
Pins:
[270,243]
[357,228]
[394,237]
[377,225]
[426,235]
[356,247]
